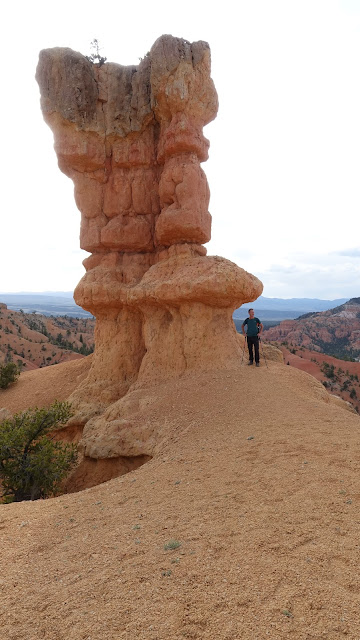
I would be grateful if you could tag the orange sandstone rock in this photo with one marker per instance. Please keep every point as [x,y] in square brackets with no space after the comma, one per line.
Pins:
[131,140]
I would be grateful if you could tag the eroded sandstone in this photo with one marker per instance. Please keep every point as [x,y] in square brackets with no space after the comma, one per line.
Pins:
[131,139]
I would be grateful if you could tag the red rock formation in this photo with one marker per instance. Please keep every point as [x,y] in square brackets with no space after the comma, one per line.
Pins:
[131,140]
[336,331]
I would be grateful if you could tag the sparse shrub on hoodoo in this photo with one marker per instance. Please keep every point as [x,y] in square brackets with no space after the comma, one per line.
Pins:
[32,465]
[95,57]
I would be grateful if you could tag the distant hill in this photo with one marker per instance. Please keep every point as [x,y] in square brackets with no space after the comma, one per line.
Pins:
[277,309]
[301,305]
[335,332]
[36,340]
[48,304]
[270,310]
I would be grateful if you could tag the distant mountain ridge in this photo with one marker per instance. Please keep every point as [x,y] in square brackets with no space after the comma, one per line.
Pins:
[59,303]
[299,304]
[335,332]
[274,310]
[277,309]
[47,304]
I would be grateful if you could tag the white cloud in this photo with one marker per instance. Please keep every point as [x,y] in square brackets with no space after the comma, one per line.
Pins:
[350,253]
[284,162]
[312,276]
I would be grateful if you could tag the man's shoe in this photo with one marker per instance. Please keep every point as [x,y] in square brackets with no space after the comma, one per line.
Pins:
[258,364]
[249,363]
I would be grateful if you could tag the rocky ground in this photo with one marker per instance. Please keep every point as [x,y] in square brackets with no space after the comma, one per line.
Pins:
[245,524]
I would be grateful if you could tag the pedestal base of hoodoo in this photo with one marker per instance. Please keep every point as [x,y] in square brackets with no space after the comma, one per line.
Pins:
[131,140]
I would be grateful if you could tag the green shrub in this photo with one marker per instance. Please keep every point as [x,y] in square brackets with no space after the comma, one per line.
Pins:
[329,370]
[95,56]
[8,373]
[172,544]
[32,464]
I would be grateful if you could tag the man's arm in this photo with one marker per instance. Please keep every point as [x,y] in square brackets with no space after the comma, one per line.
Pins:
[260,325]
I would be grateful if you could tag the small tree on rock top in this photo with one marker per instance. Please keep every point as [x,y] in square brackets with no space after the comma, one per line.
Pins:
[95,56]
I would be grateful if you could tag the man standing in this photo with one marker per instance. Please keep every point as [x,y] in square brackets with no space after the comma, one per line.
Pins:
[254,329]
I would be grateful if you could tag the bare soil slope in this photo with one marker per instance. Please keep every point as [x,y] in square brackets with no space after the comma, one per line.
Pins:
[257,485]
[35,341]
[41,387]
[344,380]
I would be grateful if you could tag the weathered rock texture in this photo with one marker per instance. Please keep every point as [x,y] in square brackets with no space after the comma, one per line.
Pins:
[131,140]
[334,332]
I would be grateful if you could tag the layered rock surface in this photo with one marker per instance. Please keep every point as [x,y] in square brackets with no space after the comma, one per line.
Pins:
[335,332]
[131,139]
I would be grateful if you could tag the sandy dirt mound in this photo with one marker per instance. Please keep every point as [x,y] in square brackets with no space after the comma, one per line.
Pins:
[256,490]
[42,386]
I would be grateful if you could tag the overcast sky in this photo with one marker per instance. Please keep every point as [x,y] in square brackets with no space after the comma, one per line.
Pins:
[284,167]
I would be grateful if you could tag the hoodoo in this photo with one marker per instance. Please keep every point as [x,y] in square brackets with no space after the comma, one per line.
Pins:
[130,138]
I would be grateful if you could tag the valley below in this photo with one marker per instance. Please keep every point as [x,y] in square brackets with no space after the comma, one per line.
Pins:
[34,341]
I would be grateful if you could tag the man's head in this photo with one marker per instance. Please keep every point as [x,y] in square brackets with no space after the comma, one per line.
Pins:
[251,313]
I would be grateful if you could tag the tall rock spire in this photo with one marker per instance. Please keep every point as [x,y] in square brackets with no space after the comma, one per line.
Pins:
[131,139]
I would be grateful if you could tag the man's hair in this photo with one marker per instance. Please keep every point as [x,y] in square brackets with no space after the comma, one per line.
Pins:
[250,310]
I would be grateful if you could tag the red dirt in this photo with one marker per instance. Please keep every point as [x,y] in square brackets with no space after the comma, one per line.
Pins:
[304,360]
[41,348]
[41,387]
[257,478]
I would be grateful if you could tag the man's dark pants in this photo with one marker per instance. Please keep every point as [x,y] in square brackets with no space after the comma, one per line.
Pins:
[253,341]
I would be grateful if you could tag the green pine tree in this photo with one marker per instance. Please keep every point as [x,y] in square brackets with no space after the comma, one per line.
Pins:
[32,464]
